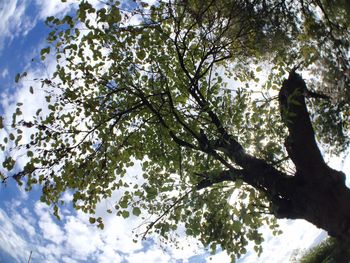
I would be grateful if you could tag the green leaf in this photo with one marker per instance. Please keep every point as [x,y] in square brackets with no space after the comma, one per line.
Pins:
[124,203]
[136,211]
[125,214]
[18,76]
[8,163]
[101,225]
[45,51]
[141,54]
[12,137]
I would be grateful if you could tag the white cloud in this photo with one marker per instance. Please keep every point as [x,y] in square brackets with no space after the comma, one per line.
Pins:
[24,223]
[4,73]
[51,231]
[58,8]
[49,252]
[74,239]
[14,21]
[82,239]
[219,257]
[68,260]
[297,235]
[11,241]
[54,7]
[150,256]
[151,2]
[109,255]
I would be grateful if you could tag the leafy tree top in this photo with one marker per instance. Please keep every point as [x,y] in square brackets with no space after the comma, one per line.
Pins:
[179,91]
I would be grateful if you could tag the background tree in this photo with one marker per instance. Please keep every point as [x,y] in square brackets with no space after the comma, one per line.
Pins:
[222,151]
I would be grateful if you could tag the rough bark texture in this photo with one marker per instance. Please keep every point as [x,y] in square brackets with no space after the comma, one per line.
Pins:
[316,192]
[320,195]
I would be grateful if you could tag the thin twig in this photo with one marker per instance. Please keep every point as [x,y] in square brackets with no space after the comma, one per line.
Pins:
[30,256]
[164,213]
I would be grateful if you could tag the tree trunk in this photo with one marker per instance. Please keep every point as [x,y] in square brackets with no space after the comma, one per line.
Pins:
[318,193]
[324,203]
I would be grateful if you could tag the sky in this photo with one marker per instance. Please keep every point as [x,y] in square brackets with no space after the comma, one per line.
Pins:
[27,226]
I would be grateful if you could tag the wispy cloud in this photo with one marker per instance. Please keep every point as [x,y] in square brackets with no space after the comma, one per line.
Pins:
[74,239]
[58,8]
[4,73]
[14,20]
[297,236]
[11,238]
[54,7]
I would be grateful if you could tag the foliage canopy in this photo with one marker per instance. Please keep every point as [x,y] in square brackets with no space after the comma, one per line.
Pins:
[190,91]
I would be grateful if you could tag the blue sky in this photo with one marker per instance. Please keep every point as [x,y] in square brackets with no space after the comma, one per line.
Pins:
[27,225]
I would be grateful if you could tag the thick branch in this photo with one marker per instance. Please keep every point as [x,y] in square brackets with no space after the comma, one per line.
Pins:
[262,176]
[214,177]
[301,144]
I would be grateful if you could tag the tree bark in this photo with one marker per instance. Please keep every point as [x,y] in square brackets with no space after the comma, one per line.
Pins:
[320,194]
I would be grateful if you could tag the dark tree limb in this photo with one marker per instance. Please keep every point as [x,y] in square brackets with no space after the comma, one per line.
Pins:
[321,196]
[274,184]
[214,177]
[301,143]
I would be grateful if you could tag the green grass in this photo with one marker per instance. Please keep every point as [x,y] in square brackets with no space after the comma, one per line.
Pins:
[329,251]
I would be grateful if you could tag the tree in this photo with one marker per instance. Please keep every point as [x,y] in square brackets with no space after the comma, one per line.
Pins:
[179,91]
